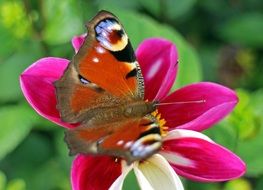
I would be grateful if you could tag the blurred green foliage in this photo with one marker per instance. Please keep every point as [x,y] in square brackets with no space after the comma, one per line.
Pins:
[218,41]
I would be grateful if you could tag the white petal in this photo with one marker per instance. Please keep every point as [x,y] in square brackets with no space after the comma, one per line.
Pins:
[156,173]
[118,183]
[183,133]
[143,182]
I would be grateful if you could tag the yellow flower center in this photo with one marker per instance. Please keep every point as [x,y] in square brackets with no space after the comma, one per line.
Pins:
[161,122]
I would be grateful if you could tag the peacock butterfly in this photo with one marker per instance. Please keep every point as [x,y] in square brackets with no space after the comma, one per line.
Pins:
[102,90]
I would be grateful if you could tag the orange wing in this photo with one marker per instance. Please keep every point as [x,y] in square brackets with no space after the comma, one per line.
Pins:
[103,73]
[132,139]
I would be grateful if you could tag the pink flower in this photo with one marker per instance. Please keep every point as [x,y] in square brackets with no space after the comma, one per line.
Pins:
[185,151]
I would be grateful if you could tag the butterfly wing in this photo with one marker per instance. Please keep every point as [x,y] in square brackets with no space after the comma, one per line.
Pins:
[103,73]
[99,82]
[141,141]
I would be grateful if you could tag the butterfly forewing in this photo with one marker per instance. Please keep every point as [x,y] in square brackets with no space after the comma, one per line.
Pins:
[104,71]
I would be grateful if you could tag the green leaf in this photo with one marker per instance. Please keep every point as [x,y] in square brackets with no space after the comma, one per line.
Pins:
[201,186]
[35,150]
[250,125]
[256,102]
[259,185]
[62,150]
[189,67]
[35,161]
[178,8]
[244,29]
[8,42]
[12,67]
[2,180]
[49,176]
[14,27]
[15,124]
[14,18]
[171,9]
[209,58]
[16,184]
[224,134]
[63,21]
[246,125]
[249,150]
[153,6]
[215,8]
[105,4]
[238,184]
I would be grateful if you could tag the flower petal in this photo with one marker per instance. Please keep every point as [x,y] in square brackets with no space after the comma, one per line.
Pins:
[156,173]
[94,172]
[195,156]
[37,86]
[158,60]
[198,106]
[77,42]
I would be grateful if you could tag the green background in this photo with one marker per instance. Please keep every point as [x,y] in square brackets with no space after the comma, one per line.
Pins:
[218,41]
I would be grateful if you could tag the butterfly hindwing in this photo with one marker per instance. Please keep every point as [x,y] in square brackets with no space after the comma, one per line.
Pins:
[131,139]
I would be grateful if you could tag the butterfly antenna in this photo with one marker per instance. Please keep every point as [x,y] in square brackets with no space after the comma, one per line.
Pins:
[184,102]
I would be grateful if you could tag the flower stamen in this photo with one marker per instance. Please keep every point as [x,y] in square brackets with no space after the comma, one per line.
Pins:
[161,122]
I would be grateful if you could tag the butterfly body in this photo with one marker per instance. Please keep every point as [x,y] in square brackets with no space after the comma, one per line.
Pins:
[130,110]
[102,90]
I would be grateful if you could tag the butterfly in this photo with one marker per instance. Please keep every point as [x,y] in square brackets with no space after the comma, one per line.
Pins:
[102,90]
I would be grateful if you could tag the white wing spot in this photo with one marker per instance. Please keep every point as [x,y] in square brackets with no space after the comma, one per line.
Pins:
[120,142]
[128,144]
[100,50]
[95,60]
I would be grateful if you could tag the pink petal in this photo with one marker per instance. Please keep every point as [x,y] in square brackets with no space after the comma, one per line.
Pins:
[198,106]
[158,60]
[94,172]
[37,86]
[77,42]
[201,159]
